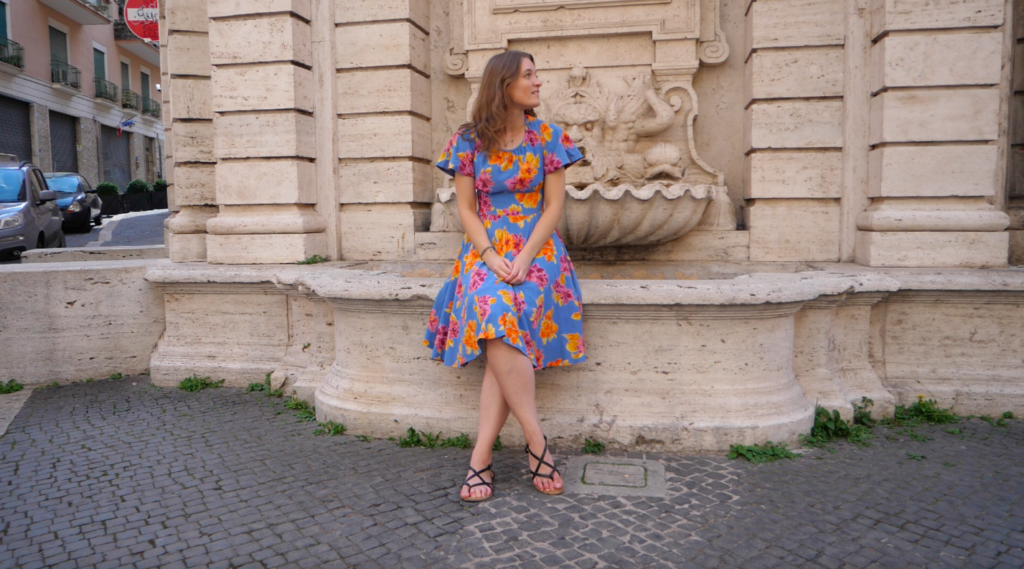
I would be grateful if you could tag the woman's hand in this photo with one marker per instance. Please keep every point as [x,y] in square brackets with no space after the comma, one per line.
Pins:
[497,264]
[520,269]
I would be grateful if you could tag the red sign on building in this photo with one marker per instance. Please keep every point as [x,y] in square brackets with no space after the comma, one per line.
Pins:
[142,17]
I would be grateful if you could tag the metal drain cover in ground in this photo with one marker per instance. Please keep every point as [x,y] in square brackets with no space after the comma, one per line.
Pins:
[615,476]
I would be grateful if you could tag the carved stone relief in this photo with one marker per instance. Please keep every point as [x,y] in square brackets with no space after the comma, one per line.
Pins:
[630,189]
[641,181]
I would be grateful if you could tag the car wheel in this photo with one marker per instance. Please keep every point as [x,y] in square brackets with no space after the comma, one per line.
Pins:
[85,227]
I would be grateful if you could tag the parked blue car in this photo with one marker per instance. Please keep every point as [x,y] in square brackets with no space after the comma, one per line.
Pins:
[76,198]
[29,216]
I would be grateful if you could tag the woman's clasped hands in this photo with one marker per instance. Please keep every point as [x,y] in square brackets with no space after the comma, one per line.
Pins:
[512,272]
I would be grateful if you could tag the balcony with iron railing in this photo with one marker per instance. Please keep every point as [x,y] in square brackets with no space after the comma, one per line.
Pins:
[63,74]
[11,53]
[105,89]
[150,107]
[84,12]
[131,100]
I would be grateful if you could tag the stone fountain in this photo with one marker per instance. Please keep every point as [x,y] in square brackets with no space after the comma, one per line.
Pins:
[632,187]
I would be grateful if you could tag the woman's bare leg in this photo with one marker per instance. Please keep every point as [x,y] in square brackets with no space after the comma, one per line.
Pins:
[493,414]
[514,374]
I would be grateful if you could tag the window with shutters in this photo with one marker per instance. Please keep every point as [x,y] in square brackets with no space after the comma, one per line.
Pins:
[126,75]
[58,45]
[3,20]
[99,61]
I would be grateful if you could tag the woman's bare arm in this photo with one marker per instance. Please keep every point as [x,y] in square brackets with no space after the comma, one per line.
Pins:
[465,196]
[554,201]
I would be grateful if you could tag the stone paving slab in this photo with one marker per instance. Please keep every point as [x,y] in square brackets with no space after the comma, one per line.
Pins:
[125,474]
[10,404]
[614,476]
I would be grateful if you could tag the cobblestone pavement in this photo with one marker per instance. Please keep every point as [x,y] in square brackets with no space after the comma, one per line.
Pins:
[125,474]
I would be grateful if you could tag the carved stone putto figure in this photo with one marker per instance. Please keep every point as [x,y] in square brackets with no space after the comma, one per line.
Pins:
[607,127]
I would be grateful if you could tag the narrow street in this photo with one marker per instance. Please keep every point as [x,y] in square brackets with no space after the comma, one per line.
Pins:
[128,229]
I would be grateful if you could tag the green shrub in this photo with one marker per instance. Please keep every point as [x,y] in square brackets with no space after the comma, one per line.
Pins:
[108,189]
[11,386]
[758,454]
[137,186]
[160,185]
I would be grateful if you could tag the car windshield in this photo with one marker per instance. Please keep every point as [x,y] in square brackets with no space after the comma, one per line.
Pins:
[10,186]
[63,184]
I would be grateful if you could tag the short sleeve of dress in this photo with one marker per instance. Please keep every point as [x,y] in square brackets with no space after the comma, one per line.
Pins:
[559,149]
[458,156]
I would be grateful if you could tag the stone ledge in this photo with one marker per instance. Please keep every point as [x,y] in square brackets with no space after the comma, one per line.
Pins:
[76,254]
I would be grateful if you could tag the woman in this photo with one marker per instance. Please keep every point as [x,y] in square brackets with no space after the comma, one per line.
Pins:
[513,291]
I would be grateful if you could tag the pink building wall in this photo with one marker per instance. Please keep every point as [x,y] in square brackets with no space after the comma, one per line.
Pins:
[29,27]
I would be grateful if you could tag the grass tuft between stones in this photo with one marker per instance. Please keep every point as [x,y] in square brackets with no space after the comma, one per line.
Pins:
[193,384]
[11,386]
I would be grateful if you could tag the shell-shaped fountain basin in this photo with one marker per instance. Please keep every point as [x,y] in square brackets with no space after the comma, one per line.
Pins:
[603,216]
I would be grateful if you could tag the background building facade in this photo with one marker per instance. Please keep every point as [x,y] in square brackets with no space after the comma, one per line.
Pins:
[71,74]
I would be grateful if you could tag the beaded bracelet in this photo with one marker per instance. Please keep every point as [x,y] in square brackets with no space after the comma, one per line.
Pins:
[486,249]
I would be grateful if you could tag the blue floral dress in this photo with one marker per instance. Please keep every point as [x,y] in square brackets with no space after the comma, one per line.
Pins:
[542,316]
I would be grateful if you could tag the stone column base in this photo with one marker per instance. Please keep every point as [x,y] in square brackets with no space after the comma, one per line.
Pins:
[1016,246]
[933,249]
[265,248]
[186,247]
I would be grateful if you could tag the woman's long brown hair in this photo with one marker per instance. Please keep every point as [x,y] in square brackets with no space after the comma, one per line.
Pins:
[492,100]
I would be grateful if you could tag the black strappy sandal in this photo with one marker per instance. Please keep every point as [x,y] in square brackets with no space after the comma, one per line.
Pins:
[476,474]
[540,462]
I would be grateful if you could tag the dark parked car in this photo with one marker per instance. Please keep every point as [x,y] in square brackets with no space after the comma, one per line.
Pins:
[77,199]
[29,216]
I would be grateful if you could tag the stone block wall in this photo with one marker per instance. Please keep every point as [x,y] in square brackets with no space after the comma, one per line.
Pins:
[1015,153]
[264,133]
[935,114]
[384,138]
[187,108]
[874,130]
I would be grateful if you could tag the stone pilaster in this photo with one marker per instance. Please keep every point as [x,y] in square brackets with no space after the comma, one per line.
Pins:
[935,113]
[1015,161]
[138,156]
[383,108]
[188,110]
[263,100]
[88,153]
[39,122]
[794,129]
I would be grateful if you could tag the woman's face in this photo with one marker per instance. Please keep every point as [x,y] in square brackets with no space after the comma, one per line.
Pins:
[524,92]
